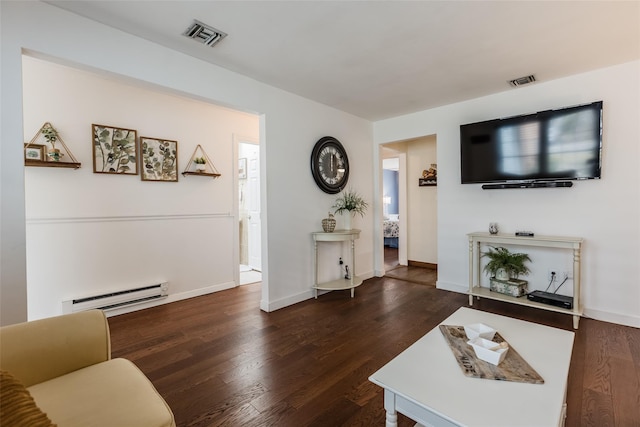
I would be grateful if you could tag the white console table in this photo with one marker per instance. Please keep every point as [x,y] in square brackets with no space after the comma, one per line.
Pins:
[339,284]
[570,243]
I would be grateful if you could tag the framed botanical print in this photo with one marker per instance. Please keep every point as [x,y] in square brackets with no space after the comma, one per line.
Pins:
[115,150]
[34,152]
[159,159]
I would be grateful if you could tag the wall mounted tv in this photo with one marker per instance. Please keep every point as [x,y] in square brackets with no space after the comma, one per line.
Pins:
[545,149]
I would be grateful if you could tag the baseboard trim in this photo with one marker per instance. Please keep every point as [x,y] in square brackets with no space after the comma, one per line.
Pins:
[603,316]
[453,287]
[421,264]
[269,306]
[617,318]
[173,298]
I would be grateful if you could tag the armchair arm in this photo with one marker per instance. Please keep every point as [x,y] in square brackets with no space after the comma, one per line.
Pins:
[43,349]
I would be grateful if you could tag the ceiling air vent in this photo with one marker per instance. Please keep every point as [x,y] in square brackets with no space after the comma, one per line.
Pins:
[521,81]
[204,33]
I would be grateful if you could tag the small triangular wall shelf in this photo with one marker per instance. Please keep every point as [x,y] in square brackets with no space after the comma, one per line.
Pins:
[209,167]
[39,151]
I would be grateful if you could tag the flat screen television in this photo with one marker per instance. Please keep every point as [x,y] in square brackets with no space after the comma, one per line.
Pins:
[554,145]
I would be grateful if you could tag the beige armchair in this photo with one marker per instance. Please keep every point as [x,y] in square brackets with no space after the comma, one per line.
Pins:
[65,364]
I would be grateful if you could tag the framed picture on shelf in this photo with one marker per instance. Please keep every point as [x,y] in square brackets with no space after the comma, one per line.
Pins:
[422,182]
[242,168]
[159,159]
[34,152]
[114,150]
[429,176]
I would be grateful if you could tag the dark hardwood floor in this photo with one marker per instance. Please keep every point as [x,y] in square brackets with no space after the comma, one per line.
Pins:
[390,258]
[220,361]
[423,276]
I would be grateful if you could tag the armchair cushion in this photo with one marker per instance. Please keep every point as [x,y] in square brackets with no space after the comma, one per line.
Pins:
[107,394]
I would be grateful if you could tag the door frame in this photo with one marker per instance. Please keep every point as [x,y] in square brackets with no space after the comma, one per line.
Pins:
[237,140]
[379,267]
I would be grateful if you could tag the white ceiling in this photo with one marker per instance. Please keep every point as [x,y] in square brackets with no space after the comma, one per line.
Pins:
[387,58]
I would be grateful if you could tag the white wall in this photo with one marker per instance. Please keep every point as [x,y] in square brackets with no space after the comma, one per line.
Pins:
[604,212]
[93,233]
[289,127]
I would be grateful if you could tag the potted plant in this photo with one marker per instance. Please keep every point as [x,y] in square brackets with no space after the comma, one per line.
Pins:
[351,203]
[505,265]
[200,164]
[51,135]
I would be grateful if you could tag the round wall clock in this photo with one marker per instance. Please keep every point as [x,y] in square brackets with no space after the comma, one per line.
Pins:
[330,165]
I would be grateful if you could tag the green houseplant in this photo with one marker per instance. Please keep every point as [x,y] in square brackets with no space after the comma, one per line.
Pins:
[51,135]
[504,264]
[351,203]
[200,163]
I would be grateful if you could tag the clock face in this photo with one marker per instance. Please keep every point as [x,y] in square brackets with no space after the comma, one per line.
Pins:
[330,165]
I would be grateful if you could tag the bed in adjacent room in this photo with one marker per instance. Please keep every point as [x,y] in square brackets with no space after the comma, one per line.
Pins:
[390,228]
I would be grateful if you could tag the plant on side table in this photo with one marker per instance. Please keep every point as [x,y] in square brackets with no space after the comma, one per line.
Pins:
[504,268]
[351,203]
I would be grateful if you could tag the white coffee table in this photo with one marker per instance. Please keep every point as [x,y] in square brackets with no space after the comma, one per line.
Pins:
[425,382]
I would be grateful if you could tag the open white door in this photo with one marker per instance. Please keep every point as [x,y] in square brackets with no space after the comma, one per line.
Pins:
[253,207]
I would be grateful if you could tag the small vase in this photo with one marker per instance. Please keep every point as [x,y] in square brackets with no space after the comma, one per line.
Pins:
[54,154]
[346,220]
[493,227]
[200,167]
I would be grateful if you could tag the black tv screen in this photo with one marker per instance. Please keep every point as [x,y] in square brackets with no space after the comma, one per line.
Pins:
[564,144]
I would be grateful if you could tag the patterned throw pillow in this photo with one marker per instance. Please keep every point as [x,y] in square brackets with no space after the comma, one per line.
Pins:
[17,407]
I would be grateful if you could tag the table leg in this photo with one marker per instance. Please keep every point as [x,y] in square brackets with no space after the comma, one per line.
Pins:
[315,268]
[353,265]
[576,321]
[392,419]
[390,407]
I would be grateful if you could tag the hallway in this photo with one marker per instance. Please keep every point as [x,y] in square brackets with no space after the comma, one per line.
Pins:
[419,275]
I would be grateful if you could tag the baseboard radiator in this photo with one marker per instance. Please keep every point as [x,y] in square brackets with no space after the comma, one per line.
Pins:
[117,299]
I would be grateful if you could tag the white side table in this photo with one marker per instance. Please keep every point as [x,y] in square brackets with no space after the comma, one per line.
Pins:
[571,243]
[342,283]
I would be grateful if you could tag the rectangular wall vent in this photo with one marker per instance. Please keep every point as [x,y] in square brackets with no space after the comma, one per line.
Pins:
[117,299]
[204,33]
[521,81]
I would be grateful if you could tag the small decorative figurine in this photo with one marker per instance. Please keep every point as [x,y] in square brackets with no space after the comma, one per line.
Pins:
[493,227]
[329,224]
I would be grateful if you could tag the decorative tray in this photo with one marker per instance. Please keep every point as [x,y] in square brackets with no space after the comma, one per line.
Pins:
[513,367]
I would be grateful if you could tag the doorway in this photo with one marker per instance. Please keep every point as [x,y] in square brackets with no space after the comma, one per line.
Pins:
[393,171]
[416,216]
[390,211]
[249,211]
